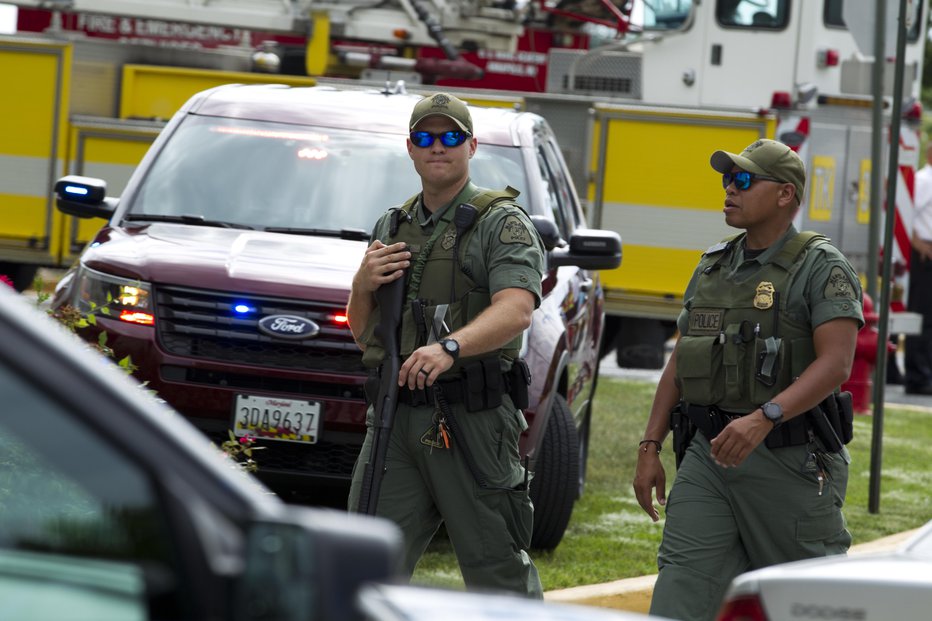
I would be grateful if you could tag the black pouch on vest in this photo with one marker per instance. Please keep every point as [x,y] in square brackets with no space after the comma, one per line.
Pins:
[494,383]
[482,384]
[793,432]
[473,385]
[820,419]
[846,414]
[519,378]
[706,419]
[683,432]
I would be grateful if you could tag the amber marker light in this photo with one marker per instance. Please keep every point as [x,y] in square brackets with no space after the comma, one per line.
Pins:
[137,317]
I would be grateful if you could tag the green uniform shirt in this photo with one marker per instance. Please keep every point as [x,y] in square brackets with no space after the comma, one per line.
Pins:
[825,288]
[502,251]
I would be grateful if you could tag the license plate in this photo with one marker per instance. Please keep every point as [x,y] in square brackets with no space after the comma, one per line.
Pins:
[274,418]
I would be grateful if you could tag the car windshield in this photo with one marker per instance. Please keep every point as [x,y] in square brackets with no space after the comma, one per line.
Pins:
[661,14]
[273,175]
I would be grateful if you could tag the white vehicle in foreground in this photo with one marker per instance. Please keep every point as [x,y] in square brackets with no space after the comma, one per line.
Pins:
[868,587]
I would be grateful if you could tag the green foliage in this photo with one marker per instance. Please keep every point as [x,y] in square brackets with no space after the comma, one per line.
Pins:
[240,450]
[610,537]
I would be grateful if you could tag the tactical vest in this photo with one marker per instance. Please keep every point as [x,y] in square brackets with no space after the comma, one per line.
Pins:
[741,347]
[441,297]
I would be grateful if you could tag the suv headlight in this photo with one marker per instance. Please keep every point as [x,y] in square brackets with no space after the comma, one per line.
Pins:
[114,297]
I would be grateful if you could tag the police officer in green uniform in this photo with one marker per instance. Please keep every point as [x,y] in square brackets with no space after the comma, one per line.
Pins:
[473,263]
[767,334]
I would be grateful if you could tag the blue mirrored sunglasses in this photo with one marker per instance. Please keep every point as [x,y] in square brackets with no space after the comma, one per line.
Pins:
[742,179]
[448,139]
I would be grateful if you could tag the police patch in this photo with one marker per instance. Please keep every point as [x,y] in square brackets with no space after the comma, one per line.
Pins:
[839,285]
[705,321]
[449,239]
[514,232]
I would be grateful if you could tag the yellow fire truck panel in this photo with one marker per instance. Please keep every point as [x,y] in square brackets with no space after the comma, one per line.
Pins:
[650,179]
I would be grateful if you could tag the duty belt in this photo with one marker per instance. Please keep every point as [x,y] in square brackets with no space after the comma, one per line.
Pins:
[456,391]
[479,386]
[711,419]
[452,390]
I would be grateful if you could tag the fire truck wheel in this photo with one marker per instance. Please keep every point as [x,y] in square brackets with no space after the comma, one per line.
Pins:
[556,481]
[640,343]
[22,275]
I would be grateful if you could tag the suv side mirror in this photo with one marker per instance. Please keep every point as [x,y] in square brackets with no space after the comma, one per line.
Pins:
[84,197]
[591,249]
[310,567]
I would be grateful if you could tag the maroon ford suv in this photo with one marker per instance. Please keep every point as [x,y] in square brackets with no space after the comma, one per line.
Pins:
[226,265]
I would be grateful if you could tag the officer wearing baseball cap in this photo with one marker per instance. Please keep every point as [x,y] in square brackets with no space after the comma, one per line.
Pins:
[442,104]
[767,335]
[472,262]
[766,159]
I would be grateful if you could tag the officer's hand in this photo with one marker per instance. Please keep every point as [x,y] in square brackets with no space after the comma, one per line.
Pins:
[739,438]
[649,475]
[381,264]
[424,366]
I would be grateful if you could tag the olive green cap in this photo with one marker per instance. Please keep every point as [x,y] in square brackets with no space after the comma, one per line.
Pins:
[765,157]
[443,104]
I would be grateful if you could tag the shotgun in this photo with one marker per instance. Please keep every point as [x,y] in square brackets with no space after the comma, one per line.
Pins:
[390,298]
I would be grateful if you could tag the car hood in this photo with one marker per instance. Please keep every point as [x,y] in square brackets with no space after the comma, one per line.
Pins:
[256,262]
[866,587]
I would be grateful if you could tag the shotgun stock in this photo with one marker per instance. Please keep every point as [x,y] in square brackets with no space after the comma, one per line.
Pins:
[390,299]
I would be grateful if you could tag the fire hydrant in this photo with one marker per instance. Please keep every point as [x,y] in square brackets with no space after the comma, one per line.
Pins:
[859,383]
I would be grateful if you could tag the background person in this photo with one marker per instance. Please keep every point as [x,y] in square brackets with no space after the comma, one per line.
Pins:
[768,331]
[471,292]
[917,351]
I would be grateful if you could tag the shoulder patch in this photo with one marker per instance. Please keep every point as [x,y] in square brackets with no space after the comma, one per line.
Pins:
[514,231]
[839,285]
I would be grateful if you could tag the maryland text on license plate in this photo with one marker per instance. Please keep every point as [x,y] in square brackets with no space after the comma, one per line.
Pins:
[274,418]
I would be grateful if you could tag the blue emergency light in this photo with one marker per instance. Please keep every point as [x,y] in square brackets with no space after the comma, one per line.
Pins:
[81,189]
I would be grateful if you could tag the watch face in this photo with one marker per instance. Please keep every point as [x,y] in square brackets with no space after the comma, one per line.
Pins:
[451,347]
[773,411]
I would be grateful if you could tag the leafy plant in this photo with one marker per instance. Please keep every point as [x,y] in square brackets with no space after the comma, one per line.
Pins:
[240,450]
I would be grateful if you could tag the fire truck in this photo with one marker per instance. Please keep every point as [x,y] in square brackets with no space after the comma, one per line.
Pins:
[638,93]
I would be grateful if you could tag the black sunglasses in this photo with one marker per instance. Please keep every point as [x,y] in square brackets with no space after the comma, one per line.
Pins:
[448,139]
[742,179]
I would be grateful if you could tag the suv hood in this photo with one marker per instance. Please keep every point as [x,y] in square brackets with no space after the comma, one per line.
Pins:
[230,259]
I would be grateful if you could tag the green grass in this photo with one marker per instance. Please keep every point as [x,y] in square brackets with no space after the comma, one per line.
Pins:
[610,537]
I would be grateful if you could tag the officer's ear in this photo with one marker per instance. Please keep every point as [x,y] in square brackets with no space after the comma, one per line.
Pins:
[787,196]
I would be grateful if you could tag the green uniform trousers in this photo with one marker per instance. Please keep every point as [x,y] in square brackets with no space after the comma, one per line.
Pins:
[721,522]
[424,486]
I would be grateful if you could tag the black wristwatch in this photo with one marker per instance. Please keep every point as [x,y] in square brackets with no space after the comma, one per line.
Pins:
[773,412]
[451,347]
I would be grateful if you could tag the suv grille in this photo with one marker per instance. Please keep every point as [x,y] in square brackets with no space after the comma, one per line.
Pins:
[324,460]
[202,324]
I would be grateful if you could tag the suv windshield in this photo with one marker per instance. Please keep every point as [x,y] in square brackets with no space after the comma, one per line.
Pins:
[275,175]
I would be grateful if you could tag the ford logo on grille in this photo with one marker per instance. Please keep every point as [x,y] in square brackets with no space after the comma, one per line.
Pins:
[288,327]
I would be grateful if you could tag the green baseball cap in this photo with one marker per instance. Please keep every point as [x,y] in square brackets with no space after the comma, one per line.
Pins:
[443,104]
[765,157]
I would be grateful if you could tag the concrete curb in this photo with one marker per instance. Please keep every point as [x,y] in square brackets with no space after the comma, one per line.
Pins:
[634,594]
